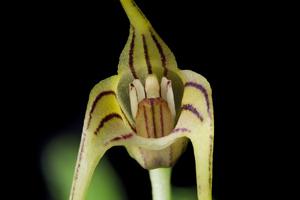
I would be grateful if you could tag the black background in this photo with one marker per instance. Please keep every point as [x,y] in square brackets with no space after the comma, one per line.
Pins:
[64,48]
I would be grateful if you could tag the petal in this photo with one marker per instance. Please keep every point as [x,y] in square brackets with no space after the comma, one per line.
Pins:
[145,52]
[104,122]
[197,116]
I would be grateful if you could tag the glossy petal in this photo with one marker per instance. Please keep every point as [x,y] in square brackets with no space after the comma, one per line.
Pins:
[197,116]
[104,123]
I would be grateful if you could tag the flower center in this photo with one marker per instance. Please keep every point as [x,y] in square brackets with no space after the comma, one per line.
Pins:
[153,109]
[152,106]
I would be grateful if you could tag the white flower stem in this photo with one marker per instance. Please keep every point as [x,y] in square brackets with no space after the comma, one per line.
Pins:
[161,183]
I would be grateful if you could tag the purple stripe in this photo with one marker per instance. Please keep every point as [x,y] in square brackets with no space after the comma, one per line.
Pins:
[153,117]
[106,119]
[161,120]
[78,166]
[149,67]
[162,55]
[210,159]
[202,90]
[192,109]
[99,96]
[122,137]
[146,120]
[131,51]
[181,130]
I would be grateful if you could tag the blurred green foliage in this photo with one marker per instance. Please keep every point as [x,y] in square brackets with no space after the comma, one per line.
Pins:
[184,193]
[58,163]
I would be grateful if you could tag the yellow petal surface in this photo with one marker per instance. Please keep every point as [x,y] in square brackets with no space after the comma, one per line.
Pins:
[197,117]
[145,52]
[104,122]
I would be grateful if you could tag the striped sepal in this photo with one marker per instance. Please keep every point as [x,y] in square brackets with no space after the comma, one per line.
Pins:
[197,115]
[104,123]
[145,52]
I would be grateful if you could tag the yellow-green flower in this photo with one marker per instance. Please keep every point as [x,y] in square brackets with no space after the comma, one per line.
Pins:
[151,107]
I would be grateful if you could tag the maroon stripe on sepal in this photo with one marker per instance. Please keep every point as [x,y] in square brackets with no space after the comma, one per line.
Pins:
[99,96]
[176,130]
[202,90]
[106,119]
[210,159]
[131,52]
[122,137]
[161,53]
[191,108]
[149,67]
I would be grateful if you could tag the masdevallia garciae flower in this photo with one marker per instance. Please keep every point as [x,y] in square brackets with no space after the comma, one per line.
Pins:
[150,107]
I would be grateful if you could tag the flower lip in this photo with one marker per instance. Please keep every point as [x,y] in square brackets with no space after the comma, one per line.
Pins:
[154,119]
[150,106]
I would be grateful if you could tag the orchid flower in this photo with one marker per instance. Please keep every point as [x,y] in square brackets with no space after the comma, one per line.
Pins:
[150,107]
